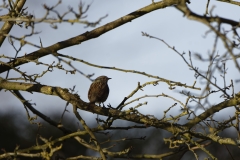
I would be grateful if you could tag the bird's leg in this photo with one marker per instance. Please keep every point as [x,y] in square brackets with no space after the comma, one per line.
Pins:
[103,105]
[109,106]
[97,114]
[97,119]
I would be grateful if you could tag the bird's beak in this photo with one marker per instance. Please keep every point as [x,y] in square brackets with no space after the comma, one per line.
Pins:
[109,78]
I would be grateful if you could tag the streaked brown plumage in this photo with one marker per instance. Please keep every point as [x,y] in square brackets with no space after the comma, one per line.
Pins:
[98,91]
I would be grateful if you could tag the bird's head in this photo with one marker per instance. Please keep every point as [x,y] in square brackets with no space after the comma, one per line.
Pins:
[102,79]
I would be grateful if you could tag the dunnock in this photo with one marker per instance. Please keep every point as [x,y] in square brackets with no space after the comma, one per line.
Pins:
[98,91]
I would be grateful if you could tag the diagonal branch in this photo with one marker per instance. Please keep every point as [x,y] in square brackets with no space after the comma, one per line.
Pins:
[216,108]
[8,25]
[230,1]
[89,132]
[76,101]
[89,35]
[203,19]
[174,128]
[44,117]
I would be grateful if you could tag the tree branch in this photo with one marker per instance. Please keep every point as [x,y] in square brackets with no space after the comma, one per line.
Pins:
[88,35]
[6,28]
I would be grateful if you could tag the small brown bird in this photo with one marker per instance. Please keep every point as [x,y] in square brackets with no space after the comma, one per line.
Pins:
[98,91]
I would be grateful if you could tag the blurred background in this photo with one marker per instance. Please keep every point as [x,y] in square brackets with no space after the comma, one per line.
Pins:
[123,47]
